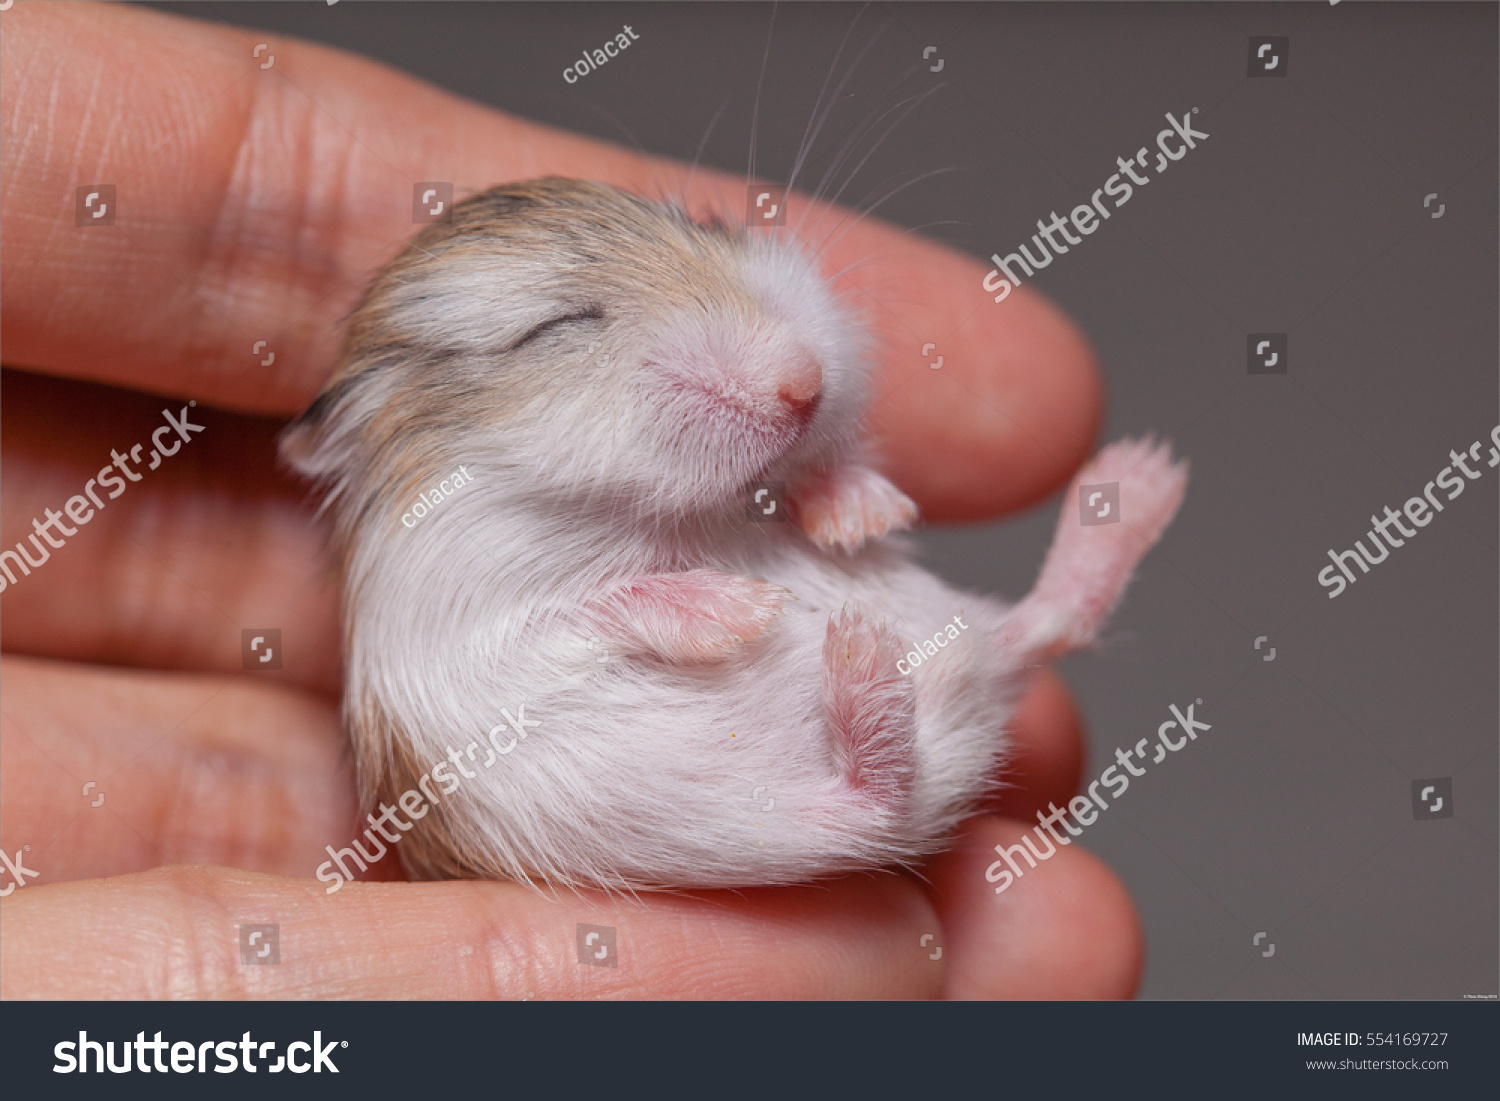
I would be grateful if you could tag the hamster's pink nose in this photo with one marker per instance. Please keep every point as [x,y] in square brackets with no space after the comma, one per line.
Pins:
[801,382]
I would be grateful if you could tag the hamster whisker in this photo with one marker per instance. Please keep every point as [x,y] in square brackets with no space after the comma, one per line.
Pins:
[911,103]
[759,84]
[687,189]
[847,149]
[810,134]
[859,213]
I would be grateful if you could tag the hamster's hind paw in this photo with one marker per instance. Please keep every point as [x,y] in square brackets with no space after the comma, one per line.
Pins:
[848,506]
[694,616]
[1091,558]
[871,708]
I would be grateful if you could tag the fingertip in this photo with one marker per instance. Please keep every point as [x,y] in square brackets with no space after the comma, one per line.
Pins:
[1012,413]
[1066,929]
[1046,751]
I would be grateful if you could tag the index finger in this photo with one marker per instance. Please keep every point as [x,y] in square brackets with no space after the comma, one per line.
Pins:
[252,205]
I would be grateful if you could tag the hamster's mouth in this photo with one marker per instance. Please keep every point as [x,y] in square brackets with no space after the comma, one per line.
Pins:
[778,423]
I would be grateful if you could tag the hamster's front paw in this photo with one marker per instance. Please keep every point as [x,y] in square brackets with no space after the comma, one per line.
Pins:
[697,615]
[849,505]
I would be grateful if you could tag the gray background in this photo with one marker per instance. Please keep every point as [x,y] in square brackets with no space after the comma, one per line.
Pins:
[1302,214]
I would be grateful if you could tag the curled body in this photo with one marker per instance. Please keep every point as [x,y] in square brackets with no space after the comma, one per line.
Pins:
[634,679]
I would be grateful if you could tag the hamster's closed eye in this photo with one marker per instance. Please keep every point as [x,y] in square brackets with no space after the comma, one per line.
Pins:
[583,657]
[587,313]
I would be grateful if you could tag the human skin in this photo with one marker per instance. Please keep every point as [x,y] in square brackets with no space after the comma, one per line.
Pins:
[254,204]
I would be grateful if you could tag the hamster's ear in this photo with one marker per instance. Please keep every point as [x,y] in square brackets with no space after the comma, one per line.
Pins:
[303,439]
[319,444]
[299,441]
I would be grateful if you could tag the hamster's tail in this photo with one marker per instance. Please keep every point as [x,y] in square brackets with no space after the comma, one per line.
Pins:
[1115,510]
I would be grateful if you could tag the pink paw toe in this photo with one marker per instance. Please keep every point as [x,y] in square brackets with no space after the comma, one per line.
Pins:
[850,507]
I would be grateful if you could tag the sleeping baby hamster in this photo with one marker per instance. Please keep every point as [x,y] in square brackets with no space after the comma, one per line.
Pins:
[573,655]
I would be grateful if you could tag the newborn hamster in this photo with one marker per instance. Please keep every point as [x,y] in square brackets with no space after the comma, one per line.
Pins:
[584,662]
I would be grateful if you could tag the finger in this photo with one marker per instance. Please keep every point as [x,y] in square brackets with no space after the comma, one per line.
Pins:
[266,198]
[1047,749]
[173,933]
[1063,929]
[107,771]
[172,572]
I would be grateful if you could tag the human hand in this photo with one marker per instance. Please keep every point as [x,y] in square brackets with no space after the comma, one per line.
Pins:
[253,205]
